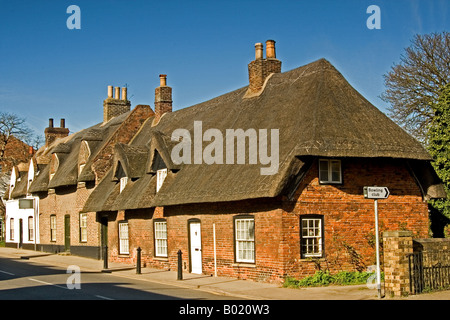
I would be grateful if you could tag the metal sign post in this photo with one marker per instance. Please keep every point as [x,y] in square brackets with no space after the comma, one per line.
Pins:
[377,193]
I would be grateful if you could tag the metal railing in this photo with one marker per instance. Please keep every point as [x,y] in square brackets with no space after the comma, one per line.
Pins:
[429,271]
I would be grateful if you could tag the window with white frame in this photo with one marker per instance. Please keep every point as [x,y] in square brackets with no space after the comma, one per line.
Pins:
[245,239]
[123,183]
[83,227]
[330,171]
[160,227]
[52,228]
[311,236]
[123,238]
[30,229]
[161,175]
[11,229]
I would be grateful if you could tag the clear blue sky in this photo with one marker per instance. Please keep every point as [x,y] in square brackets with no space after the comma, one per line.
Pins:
[48,71]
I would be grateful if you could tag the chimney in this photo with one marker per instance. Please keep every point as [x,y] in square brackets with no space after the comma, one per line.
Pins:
[260,68]
[115,106]
[163,98]
[51,133]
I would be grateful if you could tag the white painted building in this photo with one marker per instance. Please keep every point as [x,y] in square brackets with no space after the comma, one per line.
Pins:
[22,214]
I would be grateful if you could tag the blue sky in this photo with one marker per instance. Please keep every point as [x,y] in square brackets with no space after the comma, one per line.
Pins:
[204,47]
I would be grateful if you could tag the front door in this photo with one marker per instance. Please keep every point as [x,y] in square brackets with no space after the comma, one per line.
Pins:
[195,247]
[67,233]
[20,233]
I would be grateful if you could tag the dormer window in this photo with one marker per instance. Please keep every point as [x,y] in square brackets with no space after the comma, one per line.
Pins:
[54,164]
[330,171]
[123,183]
[121,176]
[83,156]
[161,175]
[80,169]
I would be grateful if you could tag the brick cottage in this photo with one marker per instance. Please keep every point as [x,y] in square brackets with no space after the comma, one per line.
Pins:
[121,183]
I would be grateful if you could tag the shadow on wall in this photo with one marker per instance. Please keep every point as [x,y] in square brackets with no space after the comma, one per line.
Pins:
[437,222]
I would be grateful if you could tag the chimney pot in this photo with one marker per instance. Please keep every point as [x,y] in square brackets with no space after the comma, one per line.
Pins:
[124,93]
[110,92]
[63,123]
[162,80]
[117,93]
[258,51]
[270,49]
[50,123]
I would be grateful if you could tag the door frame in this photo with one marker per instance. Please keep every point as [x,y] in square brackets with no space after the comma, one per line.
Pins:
[190,222]
[67,233]
[20,244]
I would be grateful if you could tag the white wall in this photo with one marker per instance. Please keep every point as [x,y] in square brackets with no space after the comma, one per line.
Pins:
[13,212]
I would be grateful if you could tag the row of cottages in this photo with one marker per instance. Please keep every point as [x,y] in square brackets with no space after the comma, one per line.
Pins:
[260,183]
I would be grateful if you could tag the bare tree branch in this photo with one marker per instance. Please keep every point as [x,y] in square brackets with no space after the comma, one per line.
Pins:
[415,83]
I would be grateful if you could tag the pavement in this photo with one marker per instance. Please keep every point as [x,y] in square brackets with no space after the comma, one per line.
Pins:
[226,286]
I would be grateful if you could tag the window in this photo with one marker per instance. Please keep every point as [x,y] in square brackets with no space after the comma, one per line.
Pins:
[123,238]
[83,227]
[160,228]
[123,183]
[25,203]
[81,168]
[245,239]
[330,171]
[11,229]
[52,228]
[30,229]
[160,176]
[311,236]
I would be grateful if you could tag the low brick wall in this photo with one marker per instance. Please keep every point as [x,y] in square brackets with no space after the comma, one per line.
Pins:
[397,245]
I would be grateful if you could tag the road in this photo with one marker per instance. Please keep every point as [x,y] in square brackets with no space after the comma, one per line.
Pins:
[25,280]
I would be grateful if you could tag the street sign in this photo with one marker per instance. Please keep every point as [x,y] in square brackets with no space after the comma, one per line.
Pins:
[376,192]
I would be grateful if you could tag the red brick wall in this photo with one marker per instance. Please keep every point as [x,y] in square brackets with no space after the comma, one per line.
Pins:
[348,225]
[349,221]
[67,201]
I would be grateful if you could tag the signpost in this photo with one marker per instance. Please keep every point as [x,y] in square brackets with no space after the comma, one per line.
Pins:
[377,193]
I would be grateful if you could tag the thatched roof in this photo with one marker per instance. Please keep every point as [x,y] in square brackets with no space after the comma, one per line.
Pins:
[317,113]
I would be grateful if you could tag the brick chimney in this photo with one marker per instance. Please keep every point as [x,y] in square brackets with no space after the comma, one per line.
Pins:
[163,98]
[51,133]
[260,68]
[115,106]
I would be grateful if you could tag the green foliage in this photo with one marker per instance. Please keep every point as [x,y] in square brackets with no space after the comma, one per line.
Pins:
[324,278]
[438,137]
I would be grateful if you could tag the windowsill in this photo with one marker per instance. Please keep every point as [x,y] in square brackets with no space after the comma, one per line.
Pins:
[161,258]
[311,259]
[124,255]
[244,265]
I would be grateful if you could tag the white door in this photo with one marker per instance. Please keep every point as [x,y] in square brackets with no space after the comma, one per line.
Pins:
[196,247]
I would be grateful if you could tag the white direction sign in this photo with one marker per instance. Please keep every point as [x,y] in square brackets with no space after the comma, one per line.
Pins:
[376,192]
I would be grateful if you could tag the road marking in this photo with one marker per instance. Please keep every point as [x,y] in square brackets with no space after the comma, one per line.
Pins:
[102,297]
[48,283]
[9,273]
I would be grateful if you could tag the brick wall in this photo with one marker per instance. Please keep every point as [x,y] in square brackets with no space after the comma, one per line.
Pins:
[62,202]
[349,242]
[349,221]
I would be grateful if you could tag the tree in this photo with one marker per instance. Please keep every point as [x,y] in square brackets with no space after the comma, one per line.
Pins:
[413,85]
[11,126]
[438,137]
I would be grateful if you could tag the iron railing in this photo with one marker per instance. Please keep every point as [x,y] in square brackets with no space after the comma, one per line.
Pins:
[429,271]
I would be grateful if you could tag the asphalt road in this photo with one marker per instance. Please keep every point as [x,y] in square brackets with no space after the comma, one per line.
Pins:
[25,280]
